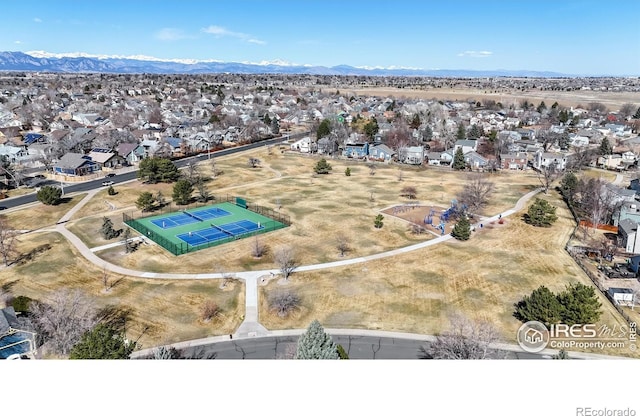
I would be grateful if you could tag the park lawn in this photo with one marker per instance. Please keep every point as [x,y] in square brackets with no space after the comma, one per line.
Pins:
[417,291]
[605,175]
[39,215]
[160,311]
[318,206]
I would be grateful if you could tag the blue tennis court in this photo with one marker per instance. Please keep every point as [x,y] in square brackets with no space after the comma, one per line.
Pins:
[196,238]
[240,227]
[207,214]
[176,220]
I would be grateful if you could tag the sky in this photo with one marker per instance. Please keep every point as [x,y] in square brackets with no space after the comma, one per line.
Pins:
[580,37]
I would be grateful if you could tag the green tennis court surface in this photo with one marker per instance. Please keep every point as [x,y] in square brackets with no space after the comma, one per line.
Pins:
[194,229]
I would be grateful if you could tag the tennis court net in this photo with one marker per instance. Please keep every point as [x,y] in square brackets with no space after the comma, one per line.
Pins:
[223,230]
[192,216]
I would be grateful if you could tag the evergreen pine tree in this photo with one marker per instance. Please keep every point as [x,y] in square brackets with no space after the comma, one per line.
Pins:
[605,147]
[580,305]
[315,344]
[107,230]
[462,229]
[102,343]
[542,306]
[458,160]
[541,214]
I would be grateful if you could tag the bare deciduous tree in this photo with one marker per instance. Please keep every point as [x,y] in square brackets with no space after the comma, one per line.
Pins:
[466,340]
[343,244]
[8,241]
[409,192]
[254,162]
[63,318]
[285,259]
[283,303]
[627,110]
[548,175]
[258,248]
[475,193]
[210,310]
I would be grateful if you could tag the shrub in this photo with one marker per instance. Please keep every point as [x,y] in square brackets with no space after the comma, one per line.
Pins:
[49,195]
[283,303]
[209,310]
[111,191]
[21,303]
[347,172]
[322,167]
[377,222]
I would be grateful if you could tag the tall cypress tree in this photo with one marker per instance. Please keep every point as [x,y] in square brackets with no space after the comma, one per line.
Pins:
[315,344]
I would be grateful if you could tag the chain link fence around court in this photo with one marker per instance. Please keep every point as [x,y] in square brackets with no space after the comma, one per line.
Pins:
[279,221]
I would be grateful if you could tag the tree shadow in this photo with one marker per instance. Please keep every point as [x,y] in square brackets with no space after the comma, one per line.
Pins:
[115,316]
[24,258]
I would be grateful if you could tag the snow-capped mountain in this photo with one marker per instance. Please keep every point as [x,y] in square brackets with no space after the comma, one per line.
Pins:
[79,62]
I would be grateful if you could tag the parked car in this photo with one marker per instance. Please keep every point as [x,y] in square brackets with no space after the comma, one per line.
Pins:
[1,208]
[110,175]
[107,183]
[39,176]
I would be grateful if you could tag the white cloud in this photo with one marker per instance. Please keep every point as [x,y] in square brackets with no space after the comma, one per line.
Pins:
[219,31]
[17,42]
[476,54]
[168,33]
[37,20]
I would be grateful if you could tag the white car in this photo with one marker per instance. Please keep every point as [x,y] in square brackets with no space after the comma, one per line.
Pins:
[107,183]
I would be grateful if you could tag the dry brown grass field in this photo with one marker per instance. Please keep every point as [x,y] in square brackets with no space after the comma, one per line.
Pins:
[413,292]
[613,100]
[160,311]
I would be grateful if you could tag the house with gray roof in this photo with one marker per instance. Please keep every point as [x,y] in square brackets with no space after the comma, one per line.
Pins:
[629,236]
[75,164]
[14,341]
[381,152]
[411,155]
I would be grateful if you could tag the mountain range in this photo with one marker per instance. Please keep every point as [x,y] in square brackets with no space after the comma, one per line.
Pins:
[42,62]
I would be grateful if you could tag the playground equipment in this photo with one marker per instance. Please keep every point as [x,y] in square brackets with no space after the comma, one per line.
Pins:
[429,218]
[441,228]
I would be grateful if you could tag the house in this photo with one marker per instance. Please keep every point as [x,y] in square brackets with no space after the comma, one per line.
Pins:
[356,150]
[621,295]
[106,159]
[128,152]
[14,341]
[628,210]
[381,152]
[466,145]
[612,162]
[629,236]
[327,146]
[75,164]
[617,195]
[514,161]
[544,160]
[634,264]
[149,148]
[475,160]
[13,154]
[439,158]
[303,145]
[412,155]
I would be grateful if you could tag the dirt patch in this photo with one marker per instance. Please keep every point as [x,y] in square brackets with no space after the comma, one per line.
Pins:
[427,216]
